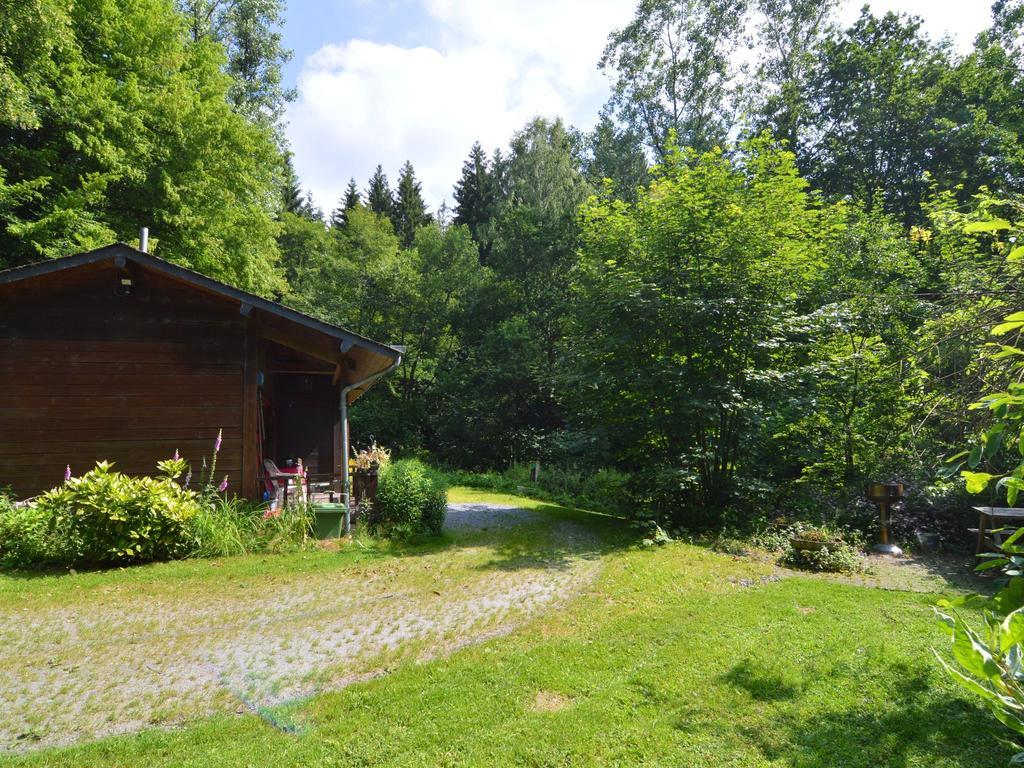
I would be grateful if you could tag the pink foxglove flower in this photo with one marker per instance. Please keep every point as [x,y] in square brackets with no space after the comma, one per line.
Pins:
[67,473]
[188,479]
[176,455]
[216,445]
[223,484]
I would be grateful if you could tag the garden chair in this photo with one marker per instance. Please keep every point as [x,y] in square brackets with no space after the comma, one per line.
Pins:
[279,482]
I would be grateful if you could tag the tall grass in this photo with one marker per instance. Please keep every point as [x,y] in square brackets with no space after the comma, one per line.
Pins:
[227,527]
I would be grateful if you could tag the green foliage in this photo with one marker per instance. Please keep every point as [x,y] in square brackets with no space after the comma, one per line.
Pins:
[672,71]
[410,212]
[894,114]
[476,196]
[99,143]
[250,31]
[616,155]
[410,501]
[604,490]
[988,663]
[836,557]
[29,536]
[789,33]
[1000,445]
[106,517]
[682,301]
[378,195]
[226,527]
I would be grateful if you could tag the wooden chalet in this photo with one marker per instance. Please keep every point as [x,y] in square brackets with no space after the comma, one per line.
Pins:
[116,354]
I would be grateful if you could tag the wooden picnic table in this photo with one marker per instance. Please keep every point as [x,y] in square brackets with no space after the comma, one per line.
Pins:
[991,520]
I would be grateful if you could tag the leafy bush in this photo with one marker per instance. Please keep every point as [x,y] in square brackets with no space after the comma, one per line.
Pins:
[107,517]
[989,661]
[28,535]
[839,551]
[410,501]
[837,557]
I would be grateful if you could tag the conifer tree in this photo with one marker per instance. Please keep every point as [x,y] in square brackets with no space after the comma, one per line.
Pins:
[474,199]
[378,194]
[352,198]
[410,212]
[347,202]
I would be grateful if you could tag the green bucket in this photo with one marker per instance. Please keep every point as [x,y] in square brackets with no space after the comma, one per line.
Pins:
[328,520]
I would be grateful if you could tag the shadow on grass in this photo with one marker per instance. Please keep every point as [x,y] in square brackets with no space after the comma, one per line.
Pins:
[761,685]
[915,725]
[546,537]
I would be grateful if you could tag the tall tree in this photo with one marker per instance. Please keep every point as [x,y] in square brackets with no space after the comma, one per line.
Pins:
[499,395]
[616,154]
[878,122]
[672,71]
[378,194]
[789,31]
[476,198]
[682,300]
[250,31]
[96,159]
[410,212]
[294,199]
[348,201]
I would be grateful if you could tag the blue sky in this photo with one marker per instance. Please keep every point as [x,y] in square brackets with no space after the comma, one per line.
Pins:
[387,81]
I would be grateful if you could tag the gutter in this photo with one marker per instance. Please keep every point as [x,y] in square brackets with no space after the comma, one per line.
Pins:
[346,482]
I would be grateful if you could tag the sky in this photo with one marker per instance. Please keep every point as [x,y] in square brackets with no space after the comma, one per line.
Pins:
[385,81]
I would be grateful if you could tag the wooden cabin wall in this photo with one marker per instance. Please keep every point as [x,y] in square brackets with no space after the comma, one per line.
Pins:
[86,374]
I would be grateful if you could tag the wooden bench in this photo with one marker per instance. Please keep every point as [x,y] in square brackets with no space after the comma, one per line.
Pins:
[994,525]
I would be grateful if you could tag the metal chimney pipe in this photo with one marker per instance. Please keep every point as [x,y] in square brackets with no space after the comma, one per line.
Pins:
[144,240]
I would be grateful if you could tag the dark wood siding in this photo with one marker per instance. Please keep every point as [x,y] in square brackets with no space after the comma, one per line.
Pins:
[87,374]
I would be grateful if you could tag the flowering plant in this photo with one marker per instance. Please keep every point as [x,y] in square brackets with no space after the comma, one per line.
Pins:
[371,458]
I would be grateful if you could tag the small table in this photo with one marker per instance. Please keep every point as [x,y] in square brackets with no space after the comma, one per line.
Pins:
[990,520]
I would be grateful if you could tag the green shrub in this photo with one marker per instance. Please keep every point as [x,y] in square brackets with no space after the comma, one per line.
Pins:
[107,517]
[28,536]
[834,557]
[410,501]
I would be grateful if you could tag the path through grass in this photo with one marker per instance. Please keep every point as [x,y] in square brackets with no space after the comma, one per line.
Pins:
[672,656]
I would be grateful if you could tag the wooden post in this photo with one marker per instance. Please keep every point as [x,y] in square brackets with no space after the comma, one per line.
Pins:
[250,434]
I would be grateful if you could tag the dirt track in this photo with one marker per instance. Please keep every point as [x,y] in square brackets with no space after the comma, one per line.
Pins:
[121,664]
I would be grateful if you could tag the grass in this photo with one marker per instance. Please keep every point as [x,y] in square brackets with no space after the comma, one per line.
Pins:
[674,656]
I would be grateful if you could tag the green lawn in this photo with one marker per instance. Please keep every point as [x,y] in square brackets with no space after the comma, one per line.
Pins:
[673,656]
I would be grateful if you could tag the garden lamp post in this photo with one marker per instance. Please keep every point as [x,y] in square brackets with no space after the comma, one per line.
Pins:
[884,496]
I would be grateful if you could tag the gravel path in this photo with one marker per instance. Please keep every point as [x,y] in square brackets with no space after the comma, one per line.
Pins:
[127,662]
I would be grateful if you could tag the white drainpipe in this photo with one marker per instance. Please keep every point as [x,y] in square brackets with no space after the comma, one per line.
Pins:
[346,483]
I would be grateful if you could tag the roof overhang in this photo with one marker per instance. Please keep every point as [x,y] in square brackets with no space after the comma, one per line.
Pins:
[356,356]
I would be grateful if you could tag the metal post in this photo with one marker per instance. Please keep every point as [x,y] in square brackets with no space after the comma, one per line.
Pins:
[345,449]
[346,489]
[144,240]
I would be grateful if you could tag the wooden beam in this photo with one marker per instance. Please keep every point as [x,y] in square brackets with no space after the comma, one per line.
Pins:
[250,434]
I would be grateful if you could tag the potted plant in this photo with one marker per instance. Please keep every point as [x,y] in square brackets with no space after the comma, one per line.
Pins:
[365,466]
[812,540]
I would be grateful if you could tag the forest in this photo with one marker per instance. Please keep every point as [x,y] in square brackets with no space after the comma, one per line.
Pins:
[769,273]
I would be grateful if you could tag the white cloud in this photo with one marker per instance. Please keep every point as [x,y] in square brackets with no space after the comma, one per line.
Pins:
[490,66]
[959,19]
[496,65]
